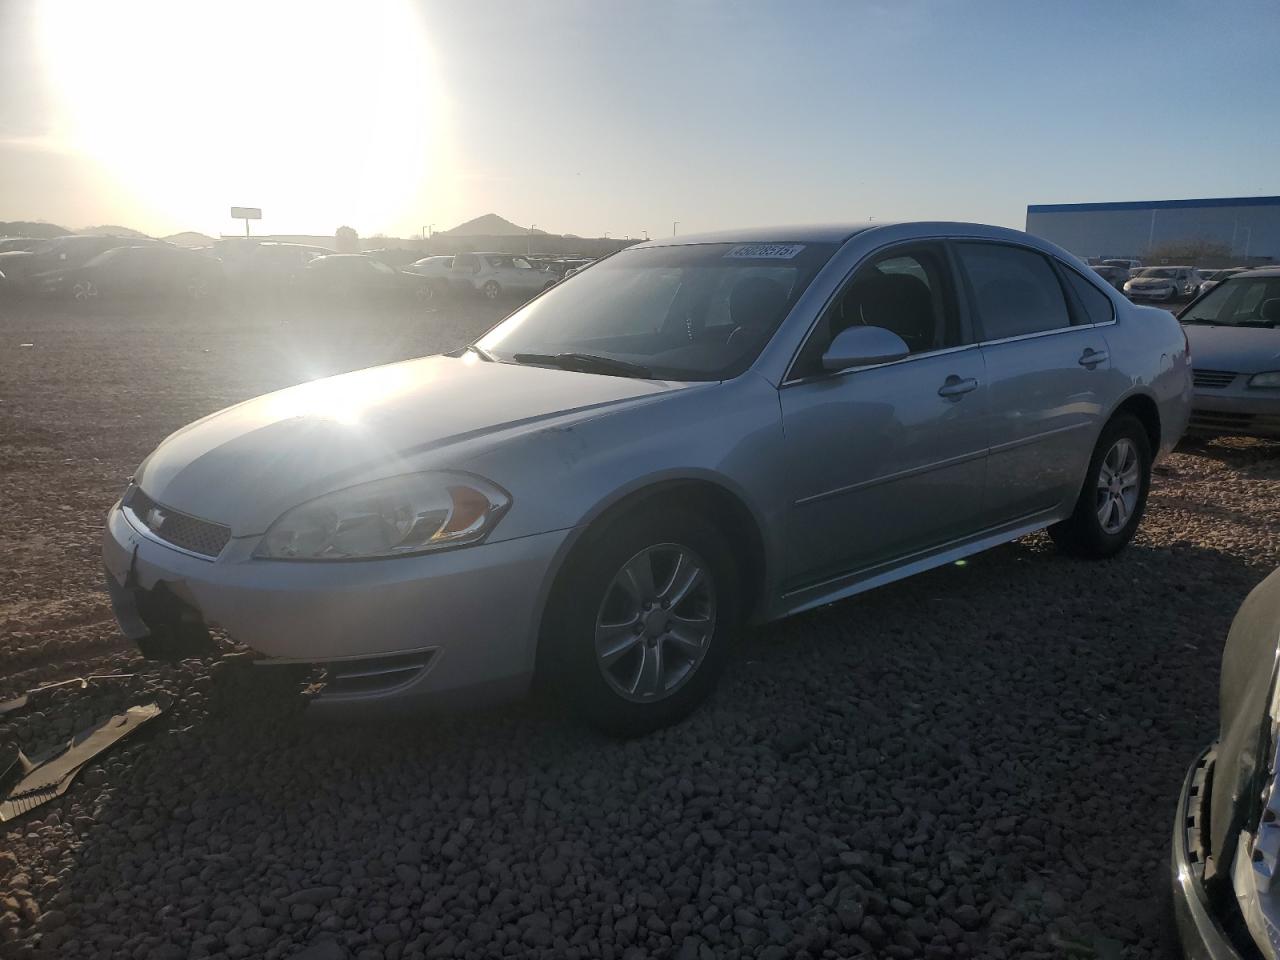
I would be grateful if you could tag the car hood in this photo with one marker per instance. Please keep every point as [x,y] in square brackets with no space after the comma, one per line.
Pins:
[1235,349]
[246,465]
[1249,667]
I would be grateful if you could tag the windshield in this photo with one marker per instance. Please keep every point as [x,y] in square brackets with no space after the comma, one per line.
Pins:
[1238,302]
[692,312]
[1161,272]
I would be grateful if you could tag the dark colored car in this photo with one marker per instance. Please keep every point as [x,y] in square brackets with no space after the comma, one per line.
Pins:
[153,270]
[355,275]
[1226,832]
[25,268]
[1115,276]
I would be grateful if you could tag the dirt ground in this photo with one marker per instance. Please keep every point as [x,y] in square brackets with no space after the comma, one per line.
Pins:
[980,761]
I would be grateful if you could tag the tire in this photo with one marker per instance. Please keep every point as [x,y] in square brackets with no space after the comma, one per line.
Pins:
[85,290]
[592,614]
[491,290]
[1084,534]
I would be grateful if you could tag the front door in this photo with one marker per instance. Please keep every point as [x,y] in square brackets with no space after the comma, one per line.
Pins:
[886,461]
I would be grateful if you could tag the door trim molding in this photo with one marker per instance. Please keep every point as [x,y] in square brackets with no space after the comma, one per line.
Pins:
[891,477]
[1035,438]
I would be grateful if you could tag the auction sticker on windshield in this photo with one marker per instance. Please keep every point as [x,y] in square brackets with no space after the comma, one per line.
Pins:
[765,251]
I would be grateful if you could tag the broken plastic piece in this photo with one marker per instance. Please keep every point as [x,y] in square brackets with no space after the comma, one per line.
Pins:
[51,778]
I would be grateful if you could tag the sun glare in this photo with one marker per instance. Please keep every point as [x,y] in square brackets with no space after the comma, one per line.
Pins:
[321,113]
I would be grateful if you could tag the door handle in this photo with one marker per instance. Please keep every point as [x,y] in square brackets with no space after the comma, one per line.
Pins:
[1091,358]
[956,388]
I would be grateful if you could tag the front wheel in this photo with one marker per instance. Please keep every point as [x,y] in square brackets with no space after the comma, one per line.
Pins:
[1114,496]
[491,290]
[642,621]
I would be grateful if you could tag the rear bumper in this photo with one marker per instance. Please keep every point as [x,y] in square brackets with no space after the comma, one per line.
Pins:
[1199,930]
[406,629]
[1235,410]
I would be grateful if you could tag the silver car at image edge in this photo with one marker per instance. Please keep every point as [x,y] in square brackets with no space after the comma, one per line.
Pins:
[1234,331]
[1226,831]
[691,435]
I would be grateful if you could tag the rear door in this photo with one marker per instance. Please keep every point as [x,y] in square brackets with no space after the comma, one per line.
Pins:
[1046,361]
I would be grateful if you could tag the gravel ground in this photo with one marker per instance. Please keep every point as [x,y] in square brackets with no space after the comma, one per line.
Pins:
[981,761]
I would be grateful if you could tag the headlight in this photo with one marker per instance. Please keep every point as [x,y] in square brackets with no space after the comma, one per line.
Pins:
[1270,379]
[415,513]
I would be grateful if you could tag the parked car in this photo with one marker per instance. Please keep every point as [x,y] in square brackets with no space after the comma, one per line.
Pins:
[1163,283]
[1226,831]
[25,267]
[154,270]
[1115,276]
[260,264]
[1211,278]
[1235,349]
[493,275]
[693,434]
[355,275]
[436,270]
[11,244]
[1133,266]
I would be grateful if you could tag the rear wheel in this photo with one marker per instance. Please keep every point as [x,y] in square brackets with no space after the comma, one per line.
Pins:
[642,621]
[1114,495]
[491,290]
[85,290]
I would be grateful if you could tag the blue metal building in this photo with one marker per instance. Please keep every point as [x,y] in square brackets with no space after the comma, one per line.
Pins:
[1248,228]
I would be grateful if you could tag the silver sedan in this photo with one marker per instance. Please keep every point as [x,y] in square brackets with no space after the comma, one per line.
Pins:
[685,437]
[1235,347]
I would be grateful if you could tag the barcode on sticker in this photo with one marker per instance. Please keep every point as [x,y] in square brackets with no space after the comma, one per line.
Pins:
[765,251]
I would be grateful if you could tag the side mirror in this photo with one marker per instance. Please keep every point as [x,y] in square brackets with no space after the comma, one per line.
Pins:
[863,346]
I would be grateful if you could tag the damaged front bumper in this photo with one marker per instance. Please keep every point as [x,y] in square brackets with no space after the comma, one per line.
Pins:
[1200,931]
[436,627]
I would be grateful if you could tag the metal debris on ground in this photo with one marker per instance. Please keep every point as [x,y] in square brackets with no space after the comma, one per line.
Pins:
[49,776]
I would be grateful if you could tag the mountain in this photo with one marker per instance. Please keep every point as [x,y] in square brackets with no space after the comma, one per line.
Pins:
[489,225]
[111,230]
[28,228]
[189,238]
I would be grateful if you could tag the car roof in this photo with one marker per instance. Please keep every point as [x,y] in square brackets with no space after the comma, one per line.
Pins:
[806,233]
[1271,271]
[840,232]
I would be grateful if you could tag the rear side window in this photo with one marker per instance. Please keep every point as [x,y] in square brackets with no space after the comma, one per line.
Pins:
[1096,304]
[1015,290]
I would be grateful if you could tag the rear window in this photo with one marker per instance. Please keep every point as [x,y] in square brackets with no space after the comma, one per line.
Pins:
[1097,305]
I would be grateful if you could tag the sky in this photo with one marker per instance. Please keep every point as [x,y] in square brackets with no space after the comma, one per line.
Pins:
[602,117]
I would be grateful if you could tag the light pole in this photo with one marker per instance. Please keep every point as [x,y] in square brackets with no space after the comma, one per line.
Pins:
[528,245]
[674,224]
[427,231]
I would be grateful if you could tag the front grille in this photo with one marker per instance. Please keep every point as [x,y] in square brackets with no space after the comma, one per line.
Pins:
[1212,379]
[190,533]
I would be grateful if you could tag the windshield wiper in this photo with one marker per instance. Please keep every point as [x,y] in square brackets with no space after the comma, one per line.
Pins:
[586,363]
[1204,321]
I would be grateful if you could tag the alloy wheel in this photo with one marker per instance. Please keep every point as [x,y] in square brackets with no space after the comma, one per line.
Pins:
[1119,477]
[655,624]
[85,290]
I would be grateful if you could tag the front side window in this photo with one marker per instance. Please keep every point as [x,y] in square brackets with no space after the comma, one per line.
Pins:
[684,312]
[1015,290]
[1238,302]
[905,290]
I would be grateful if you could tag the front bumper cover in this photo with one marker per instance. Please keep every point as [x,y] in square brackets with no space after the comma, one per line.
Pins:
[431,625]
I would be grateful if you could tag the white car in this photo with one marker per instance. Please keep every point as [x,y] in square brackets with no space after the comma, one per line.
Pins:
[494,275]
[1163,283]
[437,270]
